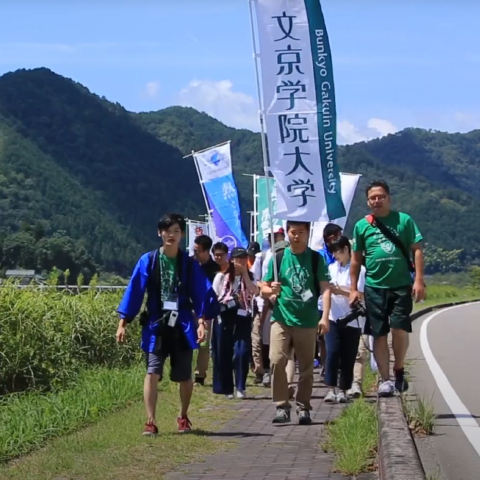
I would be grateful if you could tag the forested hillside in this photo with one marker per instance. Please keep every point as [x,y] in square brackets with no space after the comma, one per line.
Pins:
[432,175]
[83,181]
[84,170]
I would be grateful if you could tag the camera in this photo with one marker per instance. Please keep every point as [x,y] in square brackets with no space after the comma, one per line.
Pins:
[358,310]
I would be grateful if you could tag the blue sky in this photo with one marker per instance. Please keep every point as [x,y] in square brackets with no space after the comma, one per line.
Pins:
[397,64]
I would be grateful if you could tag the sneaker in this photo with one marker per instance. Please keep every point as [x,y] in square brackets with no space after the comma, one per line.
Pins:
[229,397]
[386,389]
[199,381]
[266,380]
[341,397]
[150,430]
[355,391]
[401,384]
[304,417]
[316,363]
[282,415]
[184,425]
[241,394]
[330,397]
[258,379]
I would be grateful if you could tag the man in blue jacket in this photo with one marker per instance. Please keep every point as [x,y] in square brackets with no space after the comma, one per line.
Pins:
[176,287]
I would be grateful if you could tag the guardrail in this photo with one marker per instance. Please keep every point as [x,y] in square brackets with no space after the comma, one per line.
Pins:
[70,288]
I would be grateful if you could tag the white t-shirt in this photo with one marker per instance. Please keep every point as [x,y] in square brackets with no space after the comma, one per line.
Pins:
[219,280]
[340,305]
[259,269]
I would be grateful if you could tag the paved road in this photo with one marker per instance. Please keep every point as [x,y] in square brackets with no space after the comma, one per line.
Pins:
[445,350]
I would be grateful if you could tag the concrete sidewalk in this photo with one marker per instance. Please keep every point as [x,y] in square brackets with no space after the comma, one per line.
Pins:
[267,451]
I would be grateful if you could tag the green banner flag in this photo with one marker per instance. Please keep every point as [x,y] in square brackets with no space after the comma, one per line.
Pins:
[263,217]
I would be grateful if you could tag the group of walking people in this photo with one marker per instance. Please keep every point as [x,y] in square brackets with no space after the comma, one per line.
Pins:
[278,313]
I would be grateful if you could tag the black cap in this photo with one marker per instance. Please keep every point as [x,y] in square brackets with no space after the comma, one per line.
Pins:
[253,248]
[239,252]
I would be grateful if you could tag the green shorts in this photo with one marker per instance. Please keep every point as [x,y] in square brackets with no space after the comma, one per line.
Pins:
[388,308]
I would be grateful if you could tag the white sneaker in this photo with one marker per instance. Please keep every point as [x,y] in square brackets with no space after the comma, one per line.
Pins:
[355,391]
[386,389]
[229,397]
[330,397]
[341,397]
[240,394]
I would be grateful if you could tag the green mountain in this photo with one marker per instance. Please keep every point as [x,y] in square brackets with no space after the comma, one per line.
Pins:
[86,173]
[83,181]
[432,174]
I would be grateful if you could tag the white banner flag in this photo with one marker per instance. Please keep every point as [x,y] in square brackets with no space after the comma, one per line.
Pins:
[349,186]
[299,108]
[195,229]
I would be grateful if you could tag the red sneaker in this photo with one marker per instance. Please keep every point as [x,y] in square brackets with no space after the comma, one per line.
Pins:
[150,430]
[184,424]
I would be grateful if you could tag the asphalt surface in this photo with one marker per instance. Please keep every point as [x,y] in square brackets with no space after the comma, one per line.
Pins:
[454,339]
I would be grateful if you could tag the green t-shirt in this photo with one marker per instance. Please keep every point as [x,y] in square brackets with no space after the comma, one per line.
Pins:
[296,276]
[385,264]
[167,267]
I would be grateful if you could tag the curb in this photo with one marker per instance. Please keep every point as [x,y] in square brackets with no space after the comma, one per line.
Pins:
[398,458]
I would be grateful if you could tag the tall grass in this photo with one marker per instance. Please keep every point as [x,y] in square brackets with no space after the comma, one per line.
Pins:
[353,438]
[47,337]
[60,366]
[29,419]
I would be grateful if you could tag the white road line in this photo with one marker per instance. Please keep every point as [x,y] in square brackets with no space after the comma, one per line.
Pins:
[464,418]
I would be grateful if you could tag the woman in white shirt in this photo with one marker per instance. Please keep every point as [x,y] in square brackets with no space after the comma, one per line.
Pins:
[342,341]
[231,333]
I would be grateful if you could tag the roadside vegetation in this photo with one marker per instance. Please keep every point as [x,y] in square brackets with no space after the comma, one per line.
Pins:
[353,436]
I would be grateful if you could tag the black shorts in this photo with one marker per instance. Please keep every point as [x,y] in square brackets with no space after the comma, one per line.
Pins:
[180,362]
[388,308]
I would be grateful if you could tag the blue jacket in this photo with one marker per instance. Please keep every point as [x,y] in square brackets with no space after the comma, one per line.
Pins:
[198,288]
[327,255]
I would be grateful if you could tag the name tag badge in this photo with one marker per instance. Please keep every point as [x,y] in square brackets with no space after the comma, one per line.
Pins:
[172,319]
[307,295]
[171,303]
[231,304]
[242,313]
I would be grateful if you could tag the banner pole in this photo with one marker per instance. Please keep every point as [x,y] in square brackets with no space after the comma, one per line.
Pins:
[209,211]
[255,209]
[205,149]
[266,165]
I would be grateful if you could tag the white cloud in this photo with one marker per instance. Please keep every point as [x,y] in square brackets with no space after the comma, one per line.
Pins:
[151,90]
[220,100]
[236,109]
[383,127]
[347,133]
[376,128]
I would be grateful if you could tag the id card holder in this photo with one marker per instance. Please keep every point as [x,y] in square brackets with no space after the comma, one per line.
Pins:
[231,304]
[242,313]
[172,320]
[307,295]
[171,303]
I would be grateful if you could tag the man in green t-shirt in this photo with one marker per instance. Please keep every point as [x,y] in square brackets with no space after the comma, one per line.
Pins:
[295,318]
[389,285]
